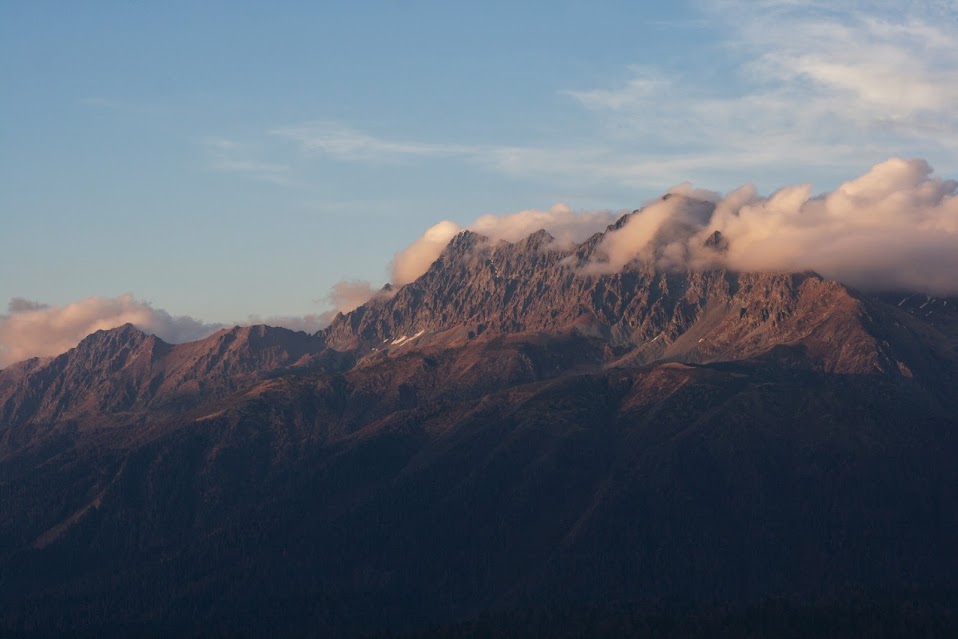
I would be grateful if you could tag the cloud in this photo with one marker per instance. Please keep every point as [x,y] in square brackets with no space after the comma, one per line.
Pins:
[893,228]
[775,85]
[594,164]
[562,222]
[811,85]
[645,84]
[416,259]
[31,329]
[230,156]
[309,323]
[20,305]
[347,295]
[346,143]
[661,223]
[344,296]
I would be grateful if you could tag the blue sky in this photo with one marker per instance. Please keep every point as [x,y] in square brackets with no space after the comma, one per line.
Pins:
[228,159]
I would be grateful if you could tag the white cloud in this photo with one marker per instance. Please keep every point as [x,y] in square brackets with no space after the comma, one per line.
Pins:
[31,329]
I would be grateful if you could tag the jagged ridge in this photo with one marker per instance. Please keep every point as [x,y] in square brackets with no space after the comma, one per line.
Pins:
[644,315]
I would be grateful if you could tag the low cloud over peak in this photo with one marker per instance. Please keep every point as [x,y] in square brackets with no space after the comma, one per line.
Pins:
[893,228]
[31,329]
[564,224]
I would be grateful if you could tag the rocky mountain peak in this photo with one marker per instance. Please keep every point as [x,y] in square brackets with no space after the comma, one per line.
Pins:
[124,335]
[643,314]
[716,241]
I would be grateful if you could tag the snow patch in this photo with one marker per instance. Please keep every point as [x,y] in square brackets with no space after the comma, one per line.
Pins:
[399,341]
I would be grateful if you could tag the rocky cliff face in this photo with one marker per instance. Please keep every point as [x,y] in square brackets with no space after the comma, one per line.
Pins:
[644,315]
[124,370]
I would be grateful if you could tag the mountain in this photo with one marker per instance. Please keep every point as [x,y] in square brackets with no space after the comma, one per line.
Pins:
[123,370]
[644,315]
[507,446]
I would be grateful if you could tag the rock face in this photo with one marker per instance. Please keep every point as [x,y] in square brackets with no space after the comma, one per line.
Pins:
[642,314]
[504,435]
[124,370]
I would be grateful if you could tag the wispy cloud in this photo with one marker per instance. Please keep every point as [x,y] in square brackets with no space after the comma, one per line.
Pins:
[230,156]
[802,83]
[346,143]
[644,85]
[832,85]
[593,164]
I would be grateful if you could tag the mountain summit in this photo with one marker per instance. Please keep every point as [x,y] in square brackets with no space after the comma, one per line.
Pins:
[642,314]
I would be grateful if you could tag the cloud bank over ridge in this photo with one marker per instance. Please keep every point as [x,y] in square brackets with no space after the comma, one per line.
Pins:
[893,228]
[31,329]
[562,222]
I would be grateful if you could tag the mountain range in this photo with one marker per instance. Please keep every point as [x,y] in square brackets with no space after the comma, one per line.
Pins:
[514,443]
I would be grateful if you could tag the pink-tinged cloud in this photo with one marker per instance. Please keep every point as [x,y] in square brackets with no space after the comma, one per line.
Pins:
[343,297]
[564,224]
[415,260]
[560,221]
[31,329]
[893,228]
[348,295]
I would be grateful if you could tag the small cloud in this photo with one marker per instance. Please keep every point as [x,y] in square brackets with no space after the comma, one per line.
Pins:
[644,85]
[344,296]
[20,305]
[307,323]
[416,259]
[348,295]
